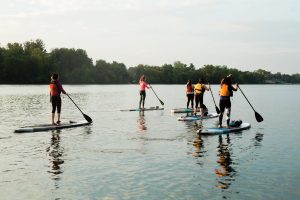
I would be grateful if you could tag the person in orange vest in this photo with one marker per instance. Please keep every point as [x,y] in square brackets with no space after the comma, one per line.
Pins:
[190,94]
[226,92]
[55,90]
[143,85]
[199,92]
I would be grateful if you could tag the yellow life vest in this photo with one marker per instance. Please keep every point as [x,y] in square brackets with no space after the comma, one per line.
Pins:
[198,88]
[224,92]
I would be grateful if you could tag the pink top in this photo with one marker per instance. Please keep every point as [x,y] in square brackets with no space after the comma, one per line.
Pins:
[144,85]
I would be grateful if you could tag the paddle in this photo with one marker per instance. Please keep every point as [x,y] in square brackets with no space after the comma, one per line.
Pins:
[87,118]
[258,117]
[161,102]
[217,109]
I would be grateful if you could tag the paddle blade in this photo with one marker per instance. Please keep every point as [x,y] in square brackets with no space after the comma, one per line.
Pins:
[258,117]
[161,102]
[218,110]
[87,118]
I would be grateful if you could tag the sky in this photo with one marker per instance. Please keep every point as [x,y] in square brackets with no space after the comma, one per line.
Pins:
[243,34]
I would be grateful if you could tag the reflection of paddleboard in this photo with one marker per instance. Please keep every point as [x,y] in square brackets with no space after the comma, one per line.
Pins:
[197,117]
[46,127]
[145,109]
[216,131]
[184,110]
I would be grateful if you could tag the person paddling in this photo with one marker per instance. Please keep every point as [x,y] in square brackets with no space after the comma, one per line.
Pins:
[55,91]
[199,92]
[190,94]
[225,93]
[143,85]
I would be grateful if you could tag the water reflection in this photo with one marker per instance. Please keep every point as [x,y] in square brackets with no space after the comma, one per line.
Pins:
[142,122]
[226,173]
[258,139]
[55,152]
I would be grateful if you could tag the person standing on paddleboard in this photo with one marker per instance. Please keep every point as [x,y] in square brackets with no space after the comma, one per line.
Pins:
[143,85]
[55,90]
[226,92]
[190,94]
[199,93]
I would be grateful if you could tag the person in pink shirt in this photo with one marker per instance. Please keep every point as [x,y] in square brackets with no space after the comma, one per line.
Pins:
[143,85]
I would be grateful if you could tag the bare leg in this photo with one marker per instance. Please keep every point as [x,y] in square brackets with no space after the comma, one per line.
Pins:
[58,117]
[201,112]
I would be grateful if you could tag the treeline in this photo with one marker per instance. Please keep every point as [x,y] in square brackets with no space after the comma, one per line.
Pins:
[30,63]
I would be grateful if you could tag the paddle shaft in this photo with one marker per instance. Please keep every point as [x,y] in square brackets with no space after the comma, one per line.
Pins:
[246,98]
[213,97]
[75,103]
[162,103]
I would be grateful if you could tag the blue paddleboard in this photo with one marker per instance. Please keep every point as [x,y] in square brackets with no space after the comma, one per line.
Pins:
[217,131]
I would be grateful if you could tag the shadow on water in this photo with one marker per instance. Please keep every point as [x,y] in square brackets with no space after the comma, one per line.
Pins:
[55,152]
[226,173]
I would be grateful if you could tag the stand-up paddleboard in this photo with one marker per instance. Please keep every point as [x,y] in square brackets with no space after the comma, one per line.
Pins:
[145,109]
[46,127]
[197,117]
[216,131]
[184,110]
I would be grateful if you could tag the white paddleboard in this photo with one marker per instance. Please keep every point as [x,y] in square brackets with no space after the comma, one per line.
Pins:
[46,127]
[145,109]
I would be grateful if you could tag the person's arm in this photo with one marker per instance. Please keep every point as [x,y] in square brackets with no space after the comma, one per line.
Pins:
[148,86]
[207,87]
[234,88]
[60,87]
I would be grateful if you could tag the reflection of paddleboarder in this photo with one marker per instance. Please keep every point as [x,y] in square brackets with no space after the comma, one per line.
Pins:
[55,152]
[142,122]
[143,85]
[225,161]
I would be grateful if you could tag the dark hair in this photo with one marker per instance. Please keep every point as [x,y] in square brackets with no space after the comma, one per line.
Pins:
[189,82]
[55,76]
[226,80]
[201,80]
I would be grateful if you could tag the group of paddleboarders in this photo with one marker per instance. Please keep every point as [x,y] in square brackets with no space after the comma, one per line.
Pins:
[193,93]
[196,93]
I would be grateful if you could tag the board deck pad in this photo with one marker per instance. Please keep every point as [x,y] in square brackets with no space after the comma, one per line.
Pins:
[197,117]
[145,109]
[46,127]
[217,131]
[184,110]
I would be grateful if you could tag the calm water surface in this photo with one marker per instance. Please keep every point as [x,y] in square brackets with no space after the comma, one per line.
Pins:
[151,155]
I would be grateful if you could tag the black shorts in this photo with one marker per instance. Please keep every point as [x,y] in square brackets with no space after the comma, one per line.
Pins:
[224,103]
[199,100]
[143,93]
[56,103]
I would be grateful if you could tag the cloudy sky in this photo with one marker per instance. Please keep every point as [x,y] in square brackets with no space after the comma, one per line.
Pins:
[243,34]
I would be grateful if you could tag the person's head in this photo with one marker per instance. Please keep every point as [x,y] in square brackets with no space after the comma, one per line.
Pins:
[229,76]
[143,78]
[189,82]
[200,80]
[54,76]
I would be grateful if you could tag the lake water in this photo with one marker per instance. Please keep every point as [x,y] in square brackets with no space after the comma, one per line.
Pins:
[150,155]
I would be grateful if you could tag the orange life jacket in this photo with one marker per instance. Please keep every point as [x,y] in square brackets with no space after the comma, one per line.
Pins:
[189,89]
[54,89]
[225,92]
